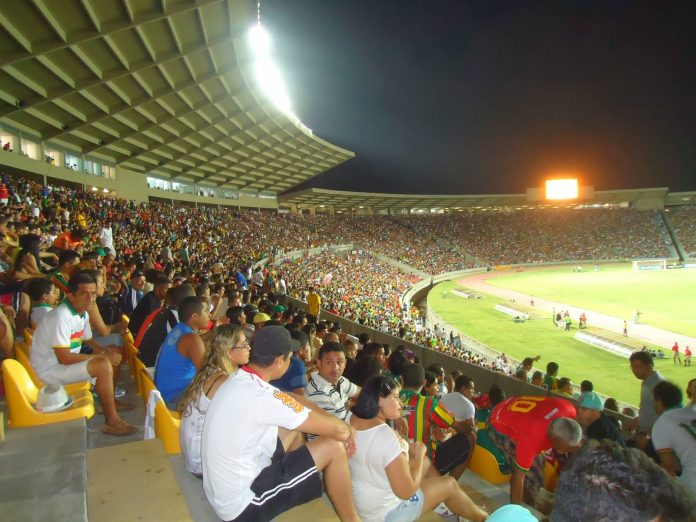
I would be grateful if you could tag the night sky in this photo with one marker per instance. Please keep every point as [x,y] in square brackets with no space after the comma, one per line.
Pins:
[446,97]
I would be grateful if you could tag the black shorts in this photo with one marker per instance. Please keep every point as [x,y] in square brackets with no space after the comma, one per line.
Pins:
[453,452]
[291,479]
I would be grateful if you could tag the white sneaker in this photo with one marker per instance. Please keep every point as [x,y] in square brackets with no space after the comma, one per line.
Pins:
[443,510]
[119,392]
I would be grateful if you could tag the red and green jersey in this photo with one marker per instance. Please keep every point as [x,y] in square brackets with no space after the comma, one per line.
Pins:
[61,283]
[422,413]
[526,420]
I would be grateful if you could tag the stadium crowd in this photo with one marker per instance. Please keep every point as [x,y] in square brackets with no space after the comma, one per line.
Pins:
[152,259]
[684,221]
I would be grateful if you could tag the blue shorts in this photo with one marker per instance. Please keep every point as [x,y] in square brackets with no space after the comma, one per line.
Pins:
[408,510]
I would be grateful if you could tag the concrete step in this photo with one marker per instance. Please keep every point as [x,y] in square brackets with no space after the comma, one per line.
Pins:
[44,473]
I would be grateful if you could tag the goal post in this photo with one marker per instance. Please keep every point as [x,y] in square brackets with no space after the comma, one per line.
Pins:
[649,264]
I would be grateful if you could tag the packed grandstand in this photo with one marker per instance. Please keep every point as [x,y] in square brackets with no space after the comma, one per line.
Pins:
[270,334]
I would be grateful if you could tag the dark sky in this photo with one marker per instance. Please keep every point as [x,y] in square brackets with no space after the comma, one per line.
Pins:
[490,96]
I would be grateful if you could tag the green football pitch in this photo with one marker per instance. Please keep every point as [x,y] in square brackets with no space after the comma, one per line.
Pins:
[664,297]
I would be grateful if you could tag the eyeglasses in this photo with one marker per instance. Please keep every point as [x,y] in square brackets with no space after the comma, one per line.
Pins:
[245,346]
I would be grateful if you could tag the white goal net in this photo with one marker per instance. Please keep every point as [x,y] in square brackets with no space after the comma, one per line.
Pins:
[649,264]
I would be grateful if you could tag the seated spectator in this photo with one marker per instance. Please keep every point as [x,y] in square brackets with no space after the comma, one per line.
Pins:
[43,295]
[393,479]
[56,345]
[236,315]
[495,396]
[565,387]
[439,372]
[133,294]
[524,427]
[227,350]
[295,378]
[181,355]
[605,481]
[153,337]
[611,404]
[674,434]
[429,423]
[431,388]
[327,388]
[351,348]
[68,262]
[537,379]
[396,364]
[149,303]
[458,402]
[251,442]
[366,367]
[597,425]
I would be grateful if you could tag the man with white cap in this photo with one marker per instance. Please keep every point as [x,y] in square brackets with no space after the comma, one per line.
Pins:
[591,417]
[254,464]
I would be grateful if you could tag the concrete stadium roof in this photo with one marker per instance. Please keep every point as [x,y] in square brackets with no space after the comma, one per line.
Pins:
[344,200]
[164,87]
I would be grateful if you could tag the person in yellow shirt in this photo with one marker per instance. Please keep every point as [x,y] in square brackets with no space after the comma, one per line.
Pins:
[313,302]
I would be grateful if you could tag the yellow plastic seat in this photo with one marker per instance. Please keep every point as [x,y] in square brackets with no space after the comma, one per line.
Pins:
[483,463]
[127,335]
[21,395]
[131,353]
[138,367]
[550,477]
[72,389]
[167,422]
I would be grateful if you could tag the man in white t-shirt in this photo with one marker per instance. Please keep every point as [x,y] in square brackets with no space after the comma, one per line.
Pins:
[674,434]
[255,465]
[56,357]
[459,402]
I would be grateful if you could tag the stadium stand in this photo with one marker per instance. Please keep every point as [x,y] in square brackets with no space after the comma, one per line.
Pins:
[134,131]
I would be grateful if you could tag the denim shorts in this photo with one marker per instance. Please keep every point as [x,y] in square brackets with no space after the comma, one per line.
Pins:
[408,510]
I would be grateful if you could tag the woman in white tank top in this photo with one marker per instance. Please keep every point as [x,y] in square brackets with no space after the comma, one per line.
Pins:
[226,349]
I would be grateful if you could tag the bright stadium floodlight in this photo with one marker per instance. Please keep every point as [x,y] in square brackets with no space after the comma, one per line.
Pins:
[268,74]
[561,189]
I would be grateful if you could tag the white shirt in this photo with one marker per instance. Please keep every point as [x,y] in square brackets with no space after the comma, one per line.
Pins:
[330,398]
[240,435]
[190,434]
[675,430]
[376,448]
[106,238]
[62,327]
[38,312]
[459,406]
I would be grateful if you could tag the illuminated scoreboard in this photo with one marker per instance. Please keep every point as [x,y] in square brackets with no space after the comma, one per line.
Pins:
[557,189]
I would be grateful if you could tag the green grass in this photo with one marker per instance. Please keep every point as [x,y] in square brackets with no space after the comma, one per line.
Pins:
[610,374]
[665,297]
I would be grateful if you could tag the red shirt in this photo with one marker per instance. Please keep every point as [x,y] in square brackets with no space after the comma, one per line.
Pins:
[675,348]
[526,420]
[687,351]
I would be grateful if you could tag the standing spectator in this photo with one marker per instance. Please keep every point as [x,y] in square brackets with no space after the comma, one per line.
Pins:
[523,428]
[674,434]
[550,381]
[625,329]
[313,303]
[106,238]
[642,367]
[251,445]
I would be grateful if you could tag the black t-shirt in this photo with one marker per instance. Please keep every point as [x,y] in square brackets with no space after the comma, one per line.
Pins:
[155,335]
[148,304]
[604,428]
